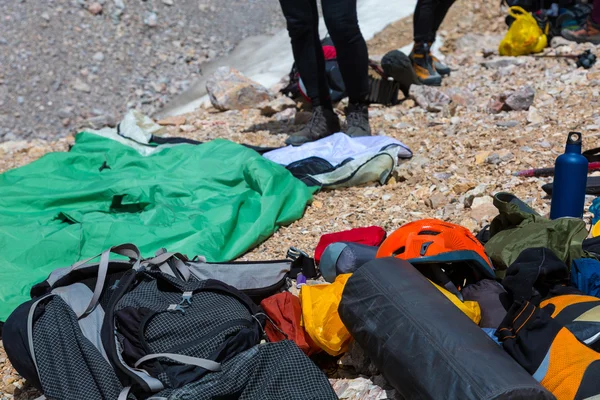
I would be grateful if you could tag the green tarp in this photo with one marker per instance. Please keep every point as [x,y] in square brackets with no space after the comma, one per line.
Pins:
[218,199]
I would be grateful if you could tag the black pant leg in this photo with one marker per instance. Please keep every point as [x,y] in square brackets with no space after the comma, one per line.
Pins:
[352,54]
[302,19]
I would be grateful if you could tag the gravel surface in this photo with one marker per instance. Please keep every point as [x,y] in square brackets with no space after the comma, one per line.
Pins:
[69,63]
[462,154]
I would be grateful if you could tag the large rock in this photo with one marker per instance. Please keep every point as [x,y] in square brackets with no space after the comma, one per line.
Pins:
[429,98]
[521,99]
[228,89]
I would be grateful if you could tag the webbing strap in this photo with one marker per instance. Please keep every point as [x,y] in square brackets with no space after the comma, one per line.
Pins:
[30,330]
[124,393]
[198,362]
[179,260]
[127,250]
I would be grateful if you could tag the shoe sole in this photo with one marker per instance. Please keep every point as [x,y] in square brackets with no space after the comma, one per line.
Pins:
[398,65]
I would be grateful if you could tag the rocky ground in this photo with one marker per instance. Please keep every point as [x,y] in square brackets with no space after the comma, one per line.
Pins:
[492,117]
[69,63]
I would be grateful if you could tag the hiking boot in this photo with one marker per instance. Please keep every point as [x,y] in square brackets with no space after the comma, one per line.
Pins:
[399,66]
[588,32]
[423,65]
[323,122]
[357,118]
[439,66]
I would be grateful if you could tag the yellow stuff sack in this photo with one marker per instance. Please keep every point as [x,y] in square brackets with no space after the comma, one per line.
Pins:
[320,315]
[470,308]
[524,35]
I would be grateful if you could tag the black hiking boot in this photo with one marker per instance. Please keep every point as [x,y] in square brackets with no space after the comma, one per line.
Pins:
[399,66]
[357,119]
[423,65]
[323,122]
[439,66]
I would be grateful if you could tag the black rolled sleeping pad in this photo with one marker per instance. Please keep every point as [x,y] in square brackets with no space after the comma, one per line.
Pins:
[424,345]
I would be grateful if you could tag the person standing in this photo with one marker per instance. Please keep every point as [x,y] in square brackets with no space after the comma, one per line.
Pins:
[427,19]
[589,32]
[341,19]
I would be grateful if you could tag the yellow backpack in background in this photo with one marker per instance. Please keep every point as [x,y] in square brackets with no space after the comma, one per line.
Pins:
[524,35]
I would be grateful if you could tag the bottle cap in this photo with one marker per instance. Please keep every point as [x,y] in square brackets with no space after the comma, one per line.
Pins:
[574,138]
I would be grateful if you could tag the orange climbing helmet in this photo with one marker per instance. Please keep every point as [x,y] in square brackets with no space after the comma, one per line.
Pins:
[434,242]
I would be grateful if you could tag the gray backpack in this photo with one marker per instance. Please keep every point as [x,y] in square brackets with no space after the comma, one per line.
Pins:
[120,329]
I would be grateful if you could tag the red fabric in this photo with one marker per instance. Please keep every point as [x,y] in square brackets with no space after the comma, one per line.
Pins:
[371,236]
[329,52]
[285,311]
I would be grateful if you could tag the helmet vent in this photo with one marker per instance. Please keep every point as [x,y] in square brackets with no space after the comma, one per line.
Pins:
[399,251]
[429,233]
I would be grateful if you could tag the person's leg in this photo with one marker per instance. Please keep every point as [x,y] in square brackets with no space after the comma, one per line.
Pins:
[441,9]
[353,58]
[423,24]
[423,20]
[352,54]
[302,19]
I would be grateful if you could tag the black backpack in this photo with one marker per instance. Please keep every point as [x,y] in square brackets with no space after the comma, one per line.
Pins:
[143,328]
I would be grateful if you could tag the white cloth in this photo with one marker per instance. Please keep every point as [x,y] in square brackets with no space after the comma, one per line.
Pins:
[337,148]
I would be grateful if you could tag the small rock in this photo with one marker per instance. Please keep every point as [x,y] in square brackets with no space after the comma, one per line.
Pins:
[173,121]
[401,126]
[461,96]
[286,115]
[167,2]
[454,120]
[99,56]
[545,144]
[521,99]
[503,62]
[462,188]
[386,197]
[435,201]
[20,99]
[534,117]
[493,158]
[45,16]
[481,157]
[469,223]
[442,176]
[229,89]
[506,155]
[95,8]
[429,98]
[101,121]
[507,124]
[65,112]
[81,86]
[497,104]
[279,104]
[484,211]
[409,103]
[479,201]
[390,117]
[151,19]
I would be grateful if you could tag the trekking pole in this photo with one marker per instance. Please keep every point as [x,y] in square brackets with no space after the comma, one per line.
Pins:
[540,172]
[586,59]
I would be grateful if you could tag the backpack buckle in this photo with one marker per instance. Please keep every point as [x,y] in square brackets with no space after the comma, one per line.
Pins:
[186,300]
[175,307]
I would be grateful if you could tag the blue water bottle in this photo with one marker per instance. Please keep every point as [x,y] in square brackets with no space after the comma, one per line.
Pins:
[570,178]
